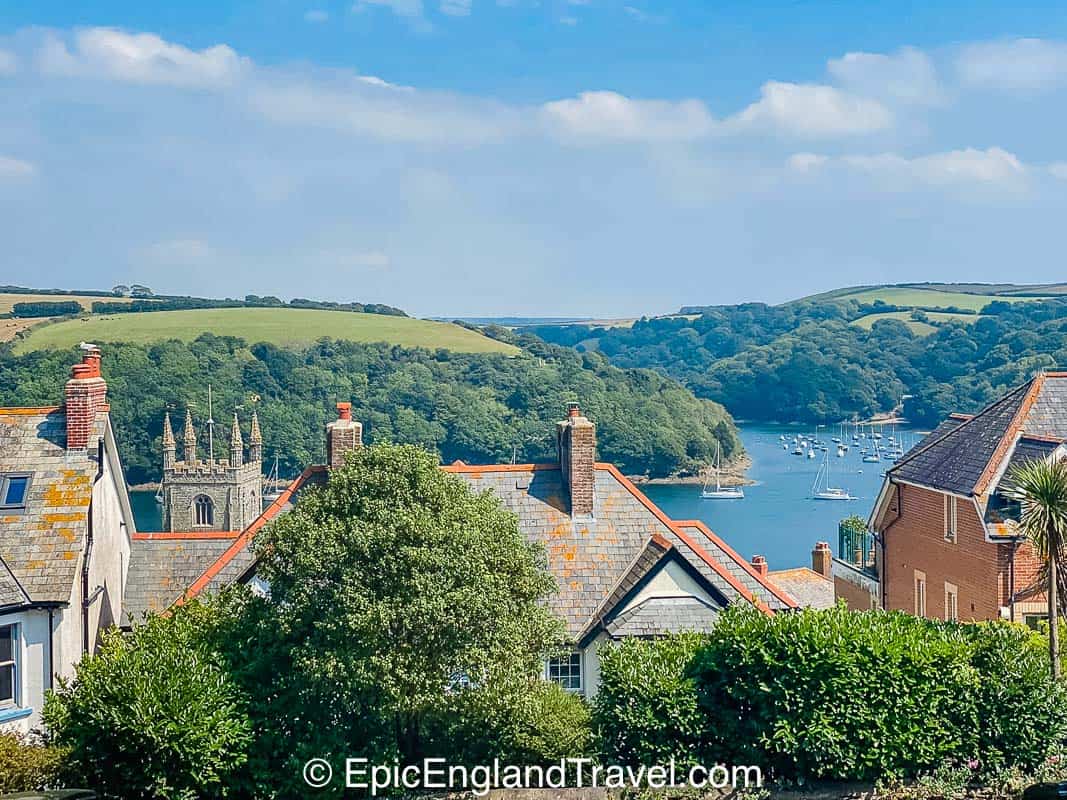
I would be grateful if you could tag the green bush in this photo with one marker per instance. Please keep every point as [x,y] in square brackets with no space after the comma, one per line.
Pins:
[646,710]
[834,695]
[27,766]
[535,722]
[153,714]
[857,696]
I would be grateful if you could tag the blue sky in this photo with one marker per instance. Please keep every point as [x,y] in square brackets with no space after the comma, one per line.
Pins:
[487,157]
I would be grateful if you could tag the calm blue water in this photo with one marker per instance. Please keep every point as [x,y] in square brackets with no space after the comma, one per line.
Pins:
[777,518]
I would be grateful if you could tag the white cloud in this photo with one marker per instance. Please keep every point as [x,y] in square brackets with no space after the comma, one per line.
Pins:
[1026,64]
[1058,170]
[992,166]
[812,110]
[9,64]
[608,115]
[907,76]
[316,16]
[368,106]
[16,168]
[642,16]
[570,21]
[139,58]
[411,11]
[456,8]
[806,162]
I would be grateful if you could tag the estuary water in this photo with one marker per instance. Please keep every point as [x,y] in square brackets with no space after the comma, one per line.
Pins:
[777,518]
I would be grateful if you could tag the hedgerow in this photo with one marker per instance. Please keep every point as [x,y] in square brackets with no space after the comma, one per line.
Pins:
[834,695]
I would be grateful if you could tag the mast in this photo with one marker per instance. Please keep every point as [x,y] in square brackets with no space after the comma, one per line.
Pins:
[210,429]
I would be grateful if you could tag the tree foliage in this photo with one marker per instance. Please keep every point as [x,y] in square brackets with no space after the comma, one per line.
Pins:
[480,408]
[403,607]
[154,714]
[804,361]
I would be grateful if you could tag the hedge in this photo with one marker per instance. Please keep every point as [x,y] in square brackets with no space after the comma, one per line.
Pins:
[46,309]
[834,695]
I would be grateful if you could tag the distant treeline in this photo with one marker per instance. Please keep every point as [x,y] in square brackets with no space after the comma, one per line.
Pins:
[250,301]
[46,308]
[481,408]
[805,362]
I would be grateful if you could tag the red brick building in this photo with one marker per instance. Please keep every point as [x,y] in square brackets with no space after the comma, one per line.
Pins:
[948,541]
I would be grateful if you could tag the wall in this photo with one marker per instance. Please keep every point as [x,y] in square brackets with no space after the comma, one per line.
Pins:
[859,590]
[33,668]
[916,542]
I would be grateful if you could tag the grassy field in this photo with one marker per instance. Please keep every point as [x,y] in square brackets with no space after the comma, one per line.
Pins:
[7,301]
[918,328]
[901,296]
[280,326]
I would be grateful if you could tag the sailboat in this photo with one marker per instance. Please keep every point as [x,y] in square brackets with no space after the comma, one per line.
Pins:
[825,491]
[159,491]
[720,492]
[874,456]
[272,485]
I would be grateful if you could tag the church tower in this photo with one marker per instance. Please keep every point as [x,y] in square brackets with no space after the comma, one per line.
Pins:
[210,494]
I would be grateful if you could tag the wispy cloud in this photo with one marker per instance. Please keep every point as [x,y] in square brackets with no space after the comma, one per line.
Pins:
[9,64]
[1014,64]
[139,58]
[316,16]
[907,76]
[456,8]
[412,11]
[16,168]
[608,115]
[813,110]
[991,166]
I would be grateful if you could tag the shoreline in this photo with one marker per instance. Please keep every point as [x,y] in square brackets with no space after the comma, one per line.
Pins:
[733,474]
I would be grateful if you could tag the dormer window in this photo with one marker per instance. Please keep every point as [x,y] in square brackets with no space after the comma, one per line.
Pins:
[14,489]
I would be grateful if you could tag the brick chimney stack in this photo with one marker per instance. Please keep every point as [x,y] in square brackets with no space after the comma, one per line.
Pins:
[342,435]
[85,396]
[822,559]
[576,446]
[759,563]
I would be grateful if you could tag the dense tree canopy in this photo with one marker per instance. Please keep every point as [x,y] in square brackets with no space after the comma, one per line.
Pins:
[481,408]
[805,362]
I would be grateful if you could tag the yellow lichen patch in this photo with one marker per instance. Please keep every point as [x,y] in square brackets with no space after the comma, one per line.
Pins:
[60,495]
[35,564]
[67,534]
[561,530]
[68,517]
[69,555]
[11,520]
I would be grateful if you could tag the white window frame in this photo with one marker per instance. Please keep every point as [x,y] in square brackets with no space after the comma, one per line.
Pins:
[920,593]
[16,664]
[952,609]
[5,480]
[209,505]
[568,660]
[952,518]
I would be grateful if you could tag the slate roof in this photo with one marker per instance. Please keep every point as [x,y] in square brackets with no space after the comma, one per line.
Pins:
[806,586]
[11,593]
[42,544]
[657,616]
[596,561]
[164,565]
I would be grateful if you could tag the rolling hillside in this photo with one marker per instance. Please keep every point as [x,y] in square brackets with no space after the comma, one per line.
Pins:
[8,300]
[280,326]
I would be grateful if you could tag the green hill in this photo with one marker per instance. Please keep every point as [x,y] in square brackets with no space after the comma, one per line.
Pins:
[973,296]
[279,326]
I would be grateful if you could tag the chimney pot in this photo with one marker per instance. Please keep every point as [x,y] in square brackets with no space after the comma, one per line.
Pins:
[85,395]
[822,559]
[759,563]
[342,435]
[573,410]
